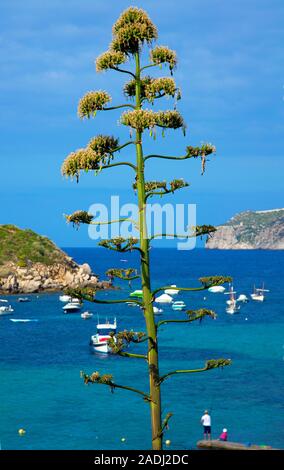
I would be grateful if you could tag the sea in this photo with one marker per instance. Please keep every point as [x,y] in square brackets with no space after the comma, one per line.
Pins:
[40,361]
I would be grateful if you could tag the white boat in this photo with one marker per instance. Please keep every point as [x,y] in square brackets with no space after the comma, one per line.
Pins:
[72,307]
[65,298]
[242,298]
[86,315]
[157,311]
[178,305]
[258,294]
[216,289]
[24,299]
[99,341]
[232,307]
[164,299]
[68,298]
[172,291]
[22,320]
[6,310]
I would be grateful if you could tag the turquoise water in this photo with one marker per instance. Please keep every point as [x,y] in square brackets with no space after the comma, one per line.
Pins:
[40,362]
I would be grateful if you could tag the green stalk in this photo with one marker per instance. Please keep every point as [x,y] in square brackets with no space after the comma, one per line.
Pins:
[153,362]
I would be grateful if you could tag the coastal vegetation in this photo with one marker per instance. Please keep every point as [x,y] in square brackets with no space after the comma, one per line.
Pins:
[132,31]
[24,246]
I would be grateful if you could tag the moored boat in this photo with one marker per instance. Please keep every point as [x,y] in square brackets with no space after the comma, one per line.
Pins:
[178,305]
[86,315]
[171,290]
[258,293]
[164,299]
[232,306]
[72,307]
[24,299]
[6,310]
[137,293]
[99,341]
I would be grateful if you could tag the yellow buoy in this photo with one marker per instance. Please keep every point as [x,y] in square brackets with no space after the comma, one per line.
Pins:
[168,442]
[21,432]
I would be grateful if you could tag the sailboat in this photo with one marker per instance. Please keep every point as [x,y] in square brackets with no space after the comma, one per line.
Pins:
[232,306]
[258,293]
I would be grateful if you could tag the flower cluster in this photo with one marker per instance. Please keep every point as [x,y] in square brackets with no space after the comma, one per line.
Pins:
[129,88]
[204,150]
[162,54]
[141,119]
[178,184]
[214,280]
[95,377]
[84,293]
[200,313]
[214,363]
[103,145]
[152,185]
[200,230]
[160,87]
[132,29]
[170,119]
[79,217]
[124,274]
[119,243]
[152,88]
[110,59]
[84,159]
[92,102]
[98,153]
[123,339]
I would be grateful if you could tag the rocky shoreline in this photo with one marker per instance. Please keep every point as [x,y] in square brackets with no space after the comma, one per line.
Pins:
[38,277]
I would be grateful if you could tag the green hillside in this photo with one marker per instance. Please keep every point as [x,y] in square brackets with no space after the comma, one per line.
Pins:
[23,246]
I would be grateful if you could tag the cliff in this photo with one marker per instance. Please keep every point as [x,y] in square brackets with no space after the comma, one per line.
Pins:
[250,231]
[33,263]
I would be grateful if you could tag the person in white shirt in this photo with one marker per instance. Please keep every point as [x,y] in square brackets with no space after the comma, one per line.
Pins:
[206,422]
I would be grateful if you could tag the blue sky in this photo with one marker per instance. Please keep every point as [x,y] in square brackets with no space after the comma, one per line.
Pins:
[231,75]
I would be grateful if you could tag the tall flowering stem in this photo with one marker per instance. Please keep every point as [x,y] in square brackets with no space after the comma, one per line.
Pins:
[132,31]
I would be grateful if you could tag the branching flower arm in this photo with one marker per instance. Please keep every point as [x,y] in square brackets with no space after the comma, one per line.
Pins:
[211,364]
[193,315]
[106,379]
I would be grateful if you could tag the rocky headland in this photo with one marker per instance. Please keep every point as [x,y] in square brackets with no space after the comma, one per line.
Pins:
[250,230]
[32,263]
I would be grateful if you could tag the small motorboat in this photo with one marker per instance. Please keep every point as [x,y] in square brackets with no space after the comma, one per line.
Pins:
[99,341]
[258,294]
[164,299]
[65,298]
[86,315]
[138,293]
[157,311]
[6,309]
[172,291]
[178,305]
[72,307]
[242,298]
[22,320]
[132,304]
[216,289]
[24,299]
